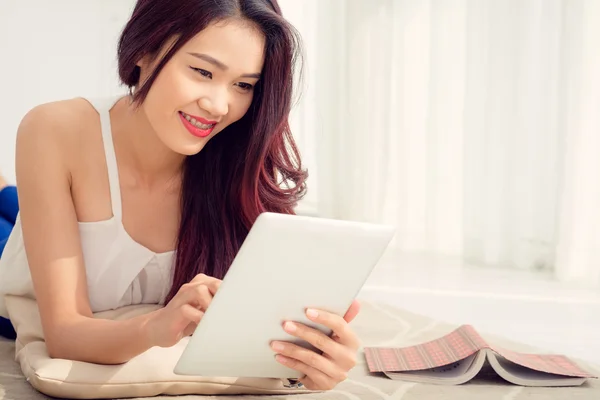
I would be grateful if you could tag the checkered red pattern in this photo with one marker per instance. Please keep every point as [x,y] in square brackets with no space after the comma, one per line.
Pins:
[458,345]
[549,363]
[455,346]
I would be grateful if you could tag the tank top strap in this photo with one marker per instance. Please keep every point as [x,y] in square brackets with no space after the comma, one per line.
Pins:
[103,107]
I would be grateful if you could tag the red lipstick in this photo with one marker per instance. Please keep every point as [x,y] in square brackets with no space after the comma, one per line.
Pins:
[194,130]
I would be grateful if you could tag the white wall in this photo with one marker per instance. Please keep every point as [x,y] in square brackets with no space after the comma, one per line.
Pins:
[52,50]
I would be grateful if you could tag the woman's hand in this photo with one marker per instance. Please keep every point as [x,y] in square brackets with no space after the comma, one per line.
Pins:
[168,325]
[322,371]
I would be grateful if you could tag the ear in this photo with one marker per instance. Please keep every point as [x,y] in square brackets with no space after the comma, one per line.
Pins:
[143,62]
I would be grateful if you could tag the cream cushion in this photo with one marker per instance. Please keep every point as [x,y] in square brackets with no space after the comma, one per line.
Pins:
[149,374]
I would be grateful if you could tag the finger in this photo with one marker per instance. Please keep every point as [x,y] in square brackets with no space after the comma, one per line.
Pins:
[183,294]
[201,296]
[193,317]
[343,355]
[352,311]
[310,358]
[309,384]
[212,283]
[338,325]
[314,379]
[197,295]
[190,314]
[199,278]
[190,329]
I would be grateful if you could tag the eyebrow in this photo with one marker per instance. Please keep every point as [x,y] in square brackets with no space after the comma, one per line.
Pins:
[220,65]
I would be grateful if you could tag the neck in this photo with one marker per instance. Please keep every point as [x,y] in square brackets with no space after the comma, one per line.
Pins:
[144,156]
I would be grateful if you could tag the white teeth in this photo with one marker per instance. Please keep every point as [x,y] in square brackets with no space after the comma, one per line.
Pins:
[196,123]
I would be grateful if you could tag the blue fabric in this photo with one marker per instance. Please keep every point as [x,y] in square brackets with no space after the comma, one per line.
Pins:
[5,230]
[9,204]
[9,208]
[6,329]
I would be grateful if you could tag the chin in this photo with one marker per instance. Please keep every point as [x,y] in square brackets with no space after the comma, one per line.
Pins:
[183,143]
[189,149]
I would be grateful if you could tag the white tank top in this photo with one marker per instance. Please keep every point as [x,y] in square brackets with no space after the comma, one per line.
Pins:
[119,270]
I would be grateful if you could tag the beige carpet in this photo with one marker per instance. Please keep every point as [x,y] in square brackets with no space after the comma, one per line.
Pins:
[377,325]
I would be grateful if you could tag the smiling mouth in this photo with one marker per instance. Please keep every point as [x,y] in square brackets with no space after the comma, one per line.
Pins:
[196,123]
[195,127]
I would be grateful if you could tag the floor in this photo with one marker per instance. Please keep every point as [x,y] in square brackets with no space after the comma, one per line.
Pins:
[527,307]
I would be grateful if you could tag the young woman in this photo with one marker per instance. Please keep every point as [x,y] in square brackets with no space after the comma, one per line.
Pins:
[146,198]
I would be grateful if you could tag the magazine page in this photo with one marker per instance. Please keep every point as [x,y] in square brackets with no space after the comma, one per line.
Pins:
[548,363]
[521,375]
[451,348]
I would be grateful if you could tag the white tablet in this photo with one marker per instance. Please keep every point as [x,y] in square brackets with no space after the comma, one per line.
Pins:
[286,264]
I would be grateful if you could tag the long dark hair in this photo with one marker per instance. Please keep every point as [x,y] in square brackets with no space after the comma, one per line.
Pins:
[250,167]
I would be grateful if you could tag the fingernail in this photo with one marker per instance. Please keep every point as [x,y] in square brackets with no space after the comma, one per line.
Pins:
[312,313]
[280,359]
[290,327]
[277,346]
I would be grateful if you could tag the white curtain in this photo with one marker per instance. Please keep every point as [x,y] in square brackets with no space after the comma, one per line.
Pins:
[471,125]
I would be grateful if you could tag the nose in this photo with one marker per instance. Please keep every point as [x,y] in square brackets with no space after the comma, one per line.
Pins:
[215,103]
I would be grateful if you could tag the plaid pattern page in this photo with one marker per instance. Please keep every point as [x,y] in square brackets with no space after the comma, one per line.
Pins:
[457,345]
[549,363]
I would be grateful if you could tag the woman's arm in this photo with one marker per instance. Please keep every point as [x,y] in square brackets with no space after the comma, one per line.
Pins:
[51,237]
[52,244]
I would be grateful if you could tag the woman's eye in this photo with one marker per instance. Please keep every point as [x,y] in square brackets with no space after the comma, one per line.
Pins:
[203,72]
[245,86]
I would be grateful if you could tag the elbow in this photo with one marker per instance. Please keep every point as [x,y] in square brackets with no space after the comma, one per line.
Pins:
[58,342]
[61,340]
[55,348]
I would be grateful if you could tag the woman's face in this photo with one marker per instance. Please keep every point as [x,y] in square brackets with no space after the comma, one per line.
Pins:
[206,86]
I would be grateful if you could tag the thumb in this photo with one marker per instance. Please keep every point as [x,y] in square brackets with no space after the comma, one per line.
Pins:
[189,315]
[190,329]
[352,311]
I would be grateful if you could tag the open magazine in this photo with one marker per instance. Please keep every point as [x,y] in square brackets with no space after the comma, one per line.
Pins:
[462,354]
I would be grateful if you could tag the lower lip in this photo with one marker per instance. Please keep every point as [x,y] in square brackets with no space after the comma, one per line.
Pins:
[195,130]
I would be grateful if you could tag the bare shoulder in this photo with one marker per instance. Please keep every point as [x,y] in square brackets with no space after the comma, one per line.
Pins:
[59,131]
[59,124]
